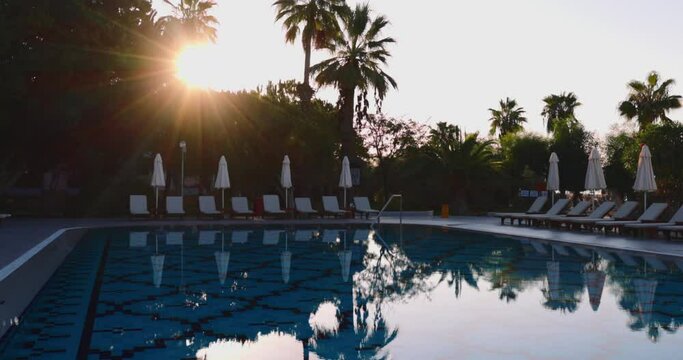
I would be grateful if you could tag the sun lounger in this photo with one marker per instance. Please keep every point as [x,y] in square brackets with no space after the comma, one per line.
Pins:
[623,212]
[655,263]
[363,206]
[650,215]
[271,205]
[627,259]
[207,206]
[207,237]
[583,252]
[174,206]
[605,255]
[240,236]
[174,238]
[576,211]
[535,208]
[271,237]
[240,207]
[642,227]
[303,206]
[303,235]
[331,206]
[137,239]
[138,205]
[555,210]
[330,236]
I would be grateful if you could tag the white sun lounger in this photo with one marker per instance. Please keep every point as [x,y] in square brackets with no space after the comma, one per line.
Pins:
[330,236]
[655,263]
[583,252]
[271,237]
[303,206]
[623,212]
[137,239]
[207,237]
[627,259]
[331,206]
[207,206]
[535,208]
[540,248]
[576,211]
[174,206]
[271,205]
[303,235]
[240,237]
[650,215]
[363,206]
[138,205]
[641,227]
[555,210]
[240,207]
[174,238]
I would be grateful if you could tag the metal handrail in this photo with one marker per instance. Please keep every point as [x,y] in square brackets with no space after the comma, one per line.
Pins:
[386,204]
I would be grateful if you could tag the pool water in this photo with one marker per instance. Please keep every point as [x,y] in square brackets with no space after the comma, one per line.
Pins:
[333,293]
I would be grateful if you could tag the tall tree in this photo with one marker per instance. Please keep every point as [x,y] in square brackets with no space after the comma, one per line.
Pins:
[559,108]
[316,22]
[359,55]
[649,101]
[508,119]
[190,21]
[462,160]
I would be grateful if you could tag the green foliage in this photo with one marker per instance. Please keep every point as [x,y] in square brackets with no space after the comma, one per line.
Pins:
[650,101]
[559,109]
[190,22]
[622,158]
[572,144]
[359,55]
[524,159]
[315,20]
[666,145]
[508,119]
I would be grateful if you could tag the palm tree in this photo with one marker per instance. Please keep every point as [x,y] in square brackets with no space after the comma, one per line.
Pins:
[190,21]
[463,160]
[359,53]
[508,119]
[559,109]
[649,101]
[316,21]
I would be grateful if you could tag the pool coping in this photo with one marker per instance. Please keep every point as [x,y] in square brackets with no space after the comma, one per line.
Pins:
[451,223]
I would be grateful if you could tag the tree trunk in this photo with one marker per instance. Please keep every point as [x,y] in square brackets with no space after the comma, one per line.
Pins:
[305,90]
[346,130]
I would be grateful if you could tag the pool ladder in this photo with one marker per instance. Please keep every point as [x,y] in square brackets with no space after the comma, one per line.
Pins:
[379,215]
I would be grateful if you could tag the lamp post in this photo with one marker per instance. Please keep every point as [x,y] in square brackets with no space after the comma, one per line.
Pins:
[183,150]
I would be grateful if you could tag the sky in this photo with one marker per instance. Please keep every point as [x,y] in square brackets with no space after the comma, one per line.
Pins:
[455,59]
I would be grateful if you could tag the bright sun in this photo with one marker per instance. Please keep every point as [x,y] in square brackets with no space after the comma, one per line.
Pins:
[199,66]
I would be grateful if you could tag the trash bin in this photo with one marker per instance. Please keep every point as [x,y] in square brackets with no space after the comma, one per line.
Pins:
[444,211]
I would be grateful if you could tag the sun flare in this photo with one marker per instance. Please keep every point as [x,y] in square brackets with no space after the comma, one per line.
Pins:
[199,66]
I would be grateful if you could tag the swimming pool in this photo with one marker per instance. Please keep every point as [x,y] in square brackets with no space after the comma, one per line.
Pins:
[328,293]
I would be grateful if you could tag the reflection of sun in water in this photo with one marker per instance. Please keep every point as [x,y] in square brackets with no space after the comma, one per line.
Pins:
[200,66]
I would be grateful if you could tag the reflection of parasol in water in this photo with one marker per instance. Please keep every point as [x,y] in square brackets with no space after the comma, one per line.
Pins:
[222,261]
[345,261]
[157,264]
[286,262]
[595,283]
[645,295]
[553,280]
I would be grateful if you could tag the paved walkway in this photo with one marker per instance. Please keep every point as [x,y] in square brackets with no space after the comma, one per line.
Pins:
[492,225]
[18,236]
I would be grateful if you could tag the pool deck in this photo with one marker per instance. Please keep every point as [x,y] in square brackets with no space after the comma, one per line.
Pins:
[19,237]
